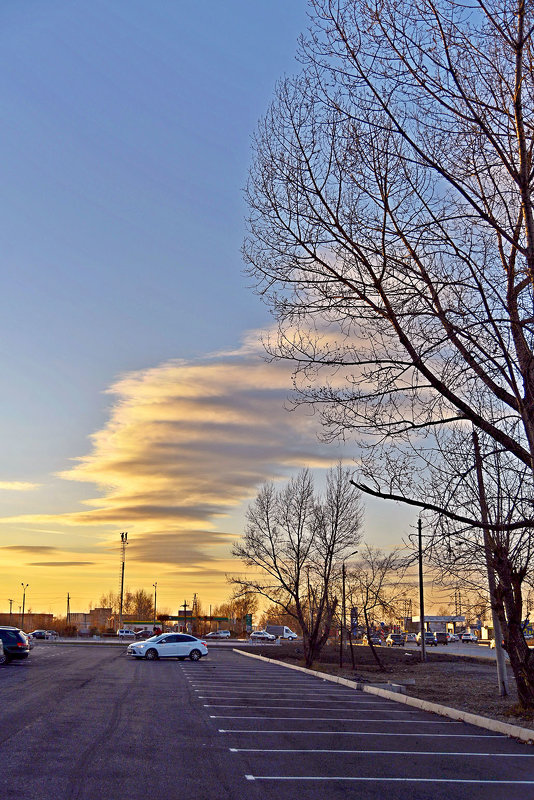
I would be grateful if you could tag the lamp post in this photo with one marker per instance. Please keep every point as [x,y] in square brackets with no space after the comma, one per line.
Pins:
[343,609]
[24,587]
[124,542]
[155,585]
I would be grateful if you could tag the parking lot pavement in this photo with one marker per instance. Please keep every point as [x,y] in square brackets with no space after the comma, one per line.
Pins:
[296,735]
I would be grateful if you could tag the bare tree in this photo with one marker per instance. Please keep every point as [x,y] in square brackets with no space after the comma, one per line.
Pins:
[392,231]
[376,586]
[293,546]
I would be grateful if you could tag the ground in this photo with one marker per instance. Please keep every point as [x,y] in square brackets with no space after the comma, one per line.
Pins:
[461,682]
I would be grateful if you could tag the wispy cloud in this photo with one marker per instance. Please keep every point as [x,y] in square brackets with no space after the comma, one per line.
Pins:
[18,486]
[59,563]
[186,444]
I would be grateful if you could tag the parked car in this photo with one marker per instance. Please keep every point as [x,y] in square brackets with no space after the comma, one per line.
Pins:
[469,637]
[39,634]
[262,635]
[441,637]
[218,635]
[375,640]
[169,645]
[3,657]
[453,637]
[411,637]
[144,634]
[395,640]
[125,633]
[52,635]
[430,640]
[15,641]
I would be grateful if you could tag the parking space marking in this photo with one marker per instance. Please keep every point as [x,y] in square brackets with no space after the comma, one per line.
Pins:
[299,708]
[373,733]
[336,719]
[382,752]
[384,780]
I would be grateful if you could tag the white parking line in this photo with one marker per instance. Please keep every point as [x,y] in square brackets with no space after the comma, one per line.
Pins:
[383,752]
[374,703]
[248,732]
[299,708]
[384,780]
[336,719]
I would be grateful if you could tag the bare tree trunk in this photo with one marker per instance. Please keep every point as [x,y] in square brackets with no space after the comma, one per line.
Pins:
[502,677]
[371,645]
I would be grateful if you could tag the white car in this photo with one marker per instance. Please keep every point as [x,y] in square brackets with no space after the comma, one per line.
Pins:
[125,633]
[469,637]
[262,635]
[169,645]
[218,635]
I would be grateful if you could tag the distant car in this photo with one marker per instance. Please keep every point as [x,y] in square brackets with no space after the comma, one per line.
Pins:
[374,638]
[39,634]
[125,633]
[395,640]
[469,637]
[218,635]
[430,640]
[144,634]
[169,645]
[453,637]
[441,637]
[262,635]
[411,637]
[52,635]
[15,642]
[492,644]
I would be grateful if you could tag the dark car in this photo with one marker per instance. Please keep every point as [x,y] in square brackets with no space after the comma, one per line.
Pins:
[441,637]
[143,634]
[395,640]
[430,640]
[38,634]
[15,643]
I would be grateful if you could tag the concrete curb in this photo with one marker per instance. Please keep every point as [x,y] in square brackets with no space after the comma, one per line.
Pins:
[514,731]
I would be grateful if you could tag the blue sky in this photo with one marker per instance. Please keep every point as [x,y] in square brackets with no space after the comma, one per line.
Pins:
[125,137]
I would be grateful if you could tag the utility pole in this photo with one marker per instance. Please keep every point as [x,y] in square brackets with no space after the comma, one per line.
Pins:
[155,585]
[421,591]
[124,542]
[10,607]
[185,616]
[24,587]
[68,608]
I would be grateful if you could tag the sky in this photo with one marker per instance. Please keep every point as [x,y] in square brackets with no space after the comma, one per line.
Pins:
[135,396]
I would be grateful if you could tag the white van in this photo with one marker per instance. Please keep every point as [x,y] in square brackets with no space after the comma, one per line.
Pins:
[281,632]
[125,633]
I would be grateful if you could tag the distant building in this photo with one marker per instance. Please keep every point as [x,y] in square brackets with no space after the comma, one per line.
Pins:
[433,623]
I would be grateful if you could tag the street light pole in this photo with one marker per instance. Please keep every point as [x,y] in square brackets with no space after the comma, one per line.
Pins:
[155,585]
[124,542]
[24,587]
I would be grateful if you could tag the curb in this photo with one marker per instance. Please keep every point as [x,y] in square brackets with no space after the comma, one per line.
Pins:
[514,731]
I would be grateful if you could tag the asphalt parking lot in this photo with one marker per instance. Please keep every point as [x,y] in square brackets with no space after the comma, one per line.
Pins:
[88,722]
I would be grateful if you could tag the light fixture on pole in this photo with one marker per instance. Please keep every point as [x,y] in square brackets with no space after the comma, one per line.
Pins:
[24,587]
